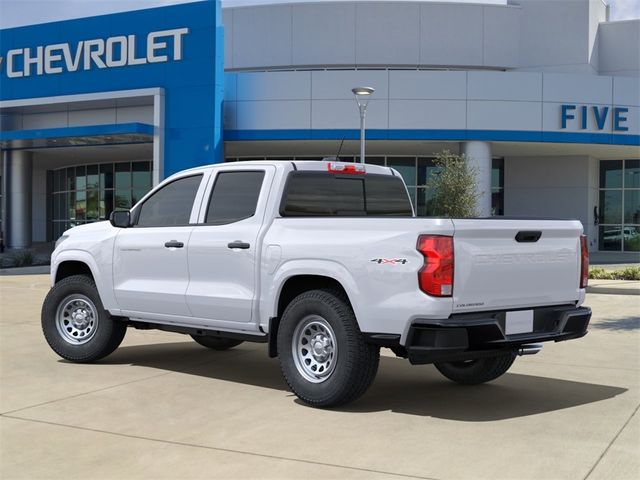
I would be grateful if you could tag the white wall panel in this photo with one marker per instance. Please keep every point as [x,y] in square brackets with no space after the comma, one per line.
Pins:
[141,114]
[501,35]
[626,91]
[412,84]
[451,34]
[503,115]
[44,120]
[338,84]
[427,114]
[618,44]
[274,86]
[387,33]
[559,87]
[273,115]
[515,86]
[323,34]
[262,36]
[331,114]
[103,116]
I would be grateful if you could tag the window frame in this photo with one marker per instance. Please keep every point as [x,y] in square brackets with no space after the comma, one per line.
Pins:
[197,200]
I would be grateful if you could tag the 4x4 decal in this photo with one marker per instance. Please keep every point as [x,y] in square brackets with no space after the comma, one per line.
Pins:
[390,261]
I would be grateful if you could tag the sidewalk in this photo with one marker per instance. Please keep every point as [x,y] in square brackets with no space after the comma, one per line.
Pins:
[616,287]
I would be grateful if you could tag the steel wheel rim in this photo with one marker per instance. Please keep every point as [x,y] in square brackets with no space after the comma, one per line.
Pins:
[76,319]
[314,347]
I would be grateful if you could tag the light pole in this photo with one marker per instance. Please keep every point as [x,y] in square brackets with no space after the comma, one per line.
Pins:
[362,99]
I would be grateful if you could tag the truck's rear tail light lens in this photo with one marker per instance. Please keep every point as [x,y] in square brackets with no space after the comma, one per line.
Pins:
[436,276]
[354,168]
[584,262]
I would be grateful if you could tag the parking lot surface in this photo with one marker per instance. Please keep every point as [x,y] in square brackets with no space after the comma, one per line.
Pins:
[162,406]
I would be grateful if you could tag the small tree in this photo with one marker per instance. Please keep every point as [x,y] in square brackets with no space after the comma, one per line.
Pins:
[453,184]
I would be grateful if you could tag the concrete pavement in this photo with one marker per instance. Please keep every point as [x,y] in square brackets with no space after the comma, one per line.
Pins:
[164,407]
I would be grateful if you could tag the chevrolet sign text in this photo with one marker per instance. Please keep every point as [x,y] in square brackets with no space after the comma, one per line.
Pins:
[117,51]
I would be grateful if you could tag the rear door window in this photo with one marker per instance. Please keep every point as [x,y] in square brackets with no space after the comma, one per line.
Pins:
[234,197]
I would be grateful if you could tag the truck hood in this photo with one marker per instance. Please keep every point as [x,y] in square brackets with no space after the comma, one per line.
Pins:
[89,228]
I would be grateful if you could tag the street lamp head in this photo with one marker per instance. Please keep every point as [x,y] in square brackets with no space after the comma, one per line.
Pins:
[362,91]
[362,95]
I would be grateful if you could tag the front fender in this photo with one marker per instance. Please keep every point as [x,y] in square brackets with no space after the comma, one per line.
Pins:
[292,268]
[102,277]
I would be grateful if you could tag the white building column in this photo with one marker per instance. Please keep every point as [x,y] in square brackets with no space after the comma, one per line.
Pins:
[16,175]
[478,155]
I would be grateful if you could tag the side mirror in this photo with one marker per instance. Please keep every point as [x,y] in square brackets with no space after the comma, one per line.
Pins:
[120,218]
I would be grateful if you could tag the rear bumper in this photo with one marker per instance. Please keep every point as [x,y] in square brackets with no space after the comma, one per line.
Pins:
[475,335]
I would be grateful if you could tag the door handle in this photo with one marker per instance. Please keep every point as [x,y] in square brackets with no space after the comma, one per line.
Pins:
[238,244]
[174,244]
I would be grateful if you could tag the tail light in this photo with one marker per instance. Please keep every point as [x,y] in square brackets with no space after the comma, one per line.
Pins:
[436,276]
[584,262]
[357,168]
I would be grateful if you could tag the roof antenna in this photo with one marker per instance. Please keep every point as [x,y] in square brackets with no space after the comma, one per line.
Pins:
[337,157]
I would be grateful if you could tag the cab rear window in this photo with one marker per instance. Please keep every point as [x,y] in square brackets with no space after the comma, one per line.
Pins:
[326,194]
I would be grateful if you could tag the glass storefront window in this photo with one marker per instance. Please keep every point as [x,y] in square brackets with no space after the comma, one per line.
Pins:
[611,174]
[86,193]
[619,205]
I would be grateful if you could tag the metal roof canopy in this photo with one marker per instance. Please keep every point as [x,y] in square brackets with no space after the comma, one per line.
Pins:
[89,135]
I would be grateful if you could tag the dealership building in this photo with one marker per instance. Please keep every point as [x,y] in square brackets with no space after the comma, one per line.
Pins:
[543,98]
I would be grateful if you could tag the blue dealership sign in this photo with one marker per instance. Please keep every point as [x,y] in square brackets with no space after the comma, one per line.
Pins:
[177,48]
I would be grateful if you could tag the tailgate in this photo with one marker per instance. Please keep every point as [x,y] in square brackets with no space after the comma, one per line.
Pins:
[494,271]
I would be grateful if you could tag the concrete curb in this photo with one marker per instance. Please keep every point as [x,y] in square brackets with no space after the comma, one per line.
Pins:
[614,287]
[36,270]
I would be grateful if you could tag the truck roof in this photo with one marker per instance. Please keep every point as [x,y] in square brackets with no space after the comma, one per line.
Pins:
[306,165]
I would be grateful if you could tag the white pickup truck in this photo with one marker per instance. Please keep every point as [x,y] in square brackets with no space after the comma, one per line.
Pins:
[326,263]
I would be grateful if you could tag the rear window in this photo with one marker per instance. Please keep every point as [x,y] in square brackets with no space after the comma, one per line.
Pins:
[326,194]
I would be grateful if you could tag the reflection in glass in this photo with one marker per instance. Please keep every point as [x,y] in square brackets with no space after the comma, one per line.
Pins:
[406,166]
[610,206]
[81,205]
[611,174]
[631,238]
[92,205]
[141,175]
[106,175]
[631,174]
[610,238]
[123,175]
[92,176]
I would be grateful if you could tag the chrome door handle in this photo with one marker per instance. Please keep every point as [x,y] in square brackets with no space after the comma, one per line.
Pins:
[173,244]
[238,244]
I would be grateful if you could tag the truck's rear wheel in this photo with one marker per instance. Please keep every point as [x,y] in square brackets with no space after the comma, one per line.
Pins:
[474,372]
[216,343]
[76,325]
[323,355]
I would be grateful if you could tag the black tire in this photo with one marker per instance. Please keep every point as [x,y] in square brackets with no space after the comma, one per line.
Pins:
[474,372]
[108,332]
[356,361]
[216,343]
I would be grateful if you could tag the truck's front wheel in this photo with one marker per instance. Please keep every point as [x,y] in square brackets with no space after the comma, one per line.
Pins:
[474,372]
[323,355]
[76,325]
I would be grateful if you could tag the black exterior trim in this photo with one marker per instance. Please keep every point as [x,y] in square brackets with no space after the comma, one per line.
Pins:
[474,335]
[199,331]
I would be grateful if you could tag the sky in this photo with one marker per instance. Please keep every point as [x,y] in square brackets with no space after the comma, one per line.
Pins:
[14,13]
